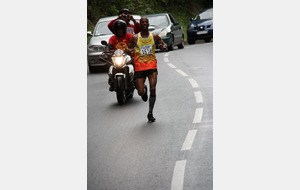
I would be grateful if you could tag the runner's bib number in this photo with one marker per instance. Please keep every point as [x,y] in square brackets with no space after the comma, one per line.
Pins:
[146,50]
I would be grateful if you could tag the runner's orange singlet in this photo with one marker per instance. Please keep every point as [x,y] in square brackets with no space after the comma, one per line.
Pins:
[144,56]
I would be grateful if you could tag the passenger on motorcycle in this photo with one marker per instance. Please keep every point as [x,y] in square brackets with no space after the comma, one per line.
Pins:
[126,15]
[120,40]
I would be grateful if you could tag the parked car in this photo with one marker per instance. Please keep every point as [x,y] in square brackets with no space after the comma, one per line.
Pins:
[201,27]
[168,28]
[95,48]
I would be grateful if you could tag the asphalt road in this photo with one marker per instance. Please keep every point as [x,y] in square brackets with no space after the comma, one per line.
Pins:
[124,152]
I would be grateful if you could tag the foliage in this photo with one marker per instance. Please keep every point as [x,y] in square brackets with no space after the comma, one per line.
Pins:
[182,10]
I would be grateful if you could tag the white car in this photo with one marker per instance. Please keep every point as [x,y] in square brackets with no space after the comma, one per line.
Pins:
[95,48]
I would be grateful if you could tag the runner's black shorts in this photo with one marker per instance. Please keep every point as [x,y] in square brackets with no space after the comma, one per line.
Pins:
[144,74]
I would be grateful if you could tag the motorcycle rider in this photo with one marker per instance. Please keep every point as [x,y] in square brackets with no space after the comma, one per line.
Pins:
[120,40]
[126,15]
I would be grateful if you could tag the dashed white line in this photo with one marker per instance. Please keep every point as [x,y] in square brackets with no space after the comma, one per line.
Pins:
[178,175]
[181,72]
[193,83]
[198,115]
[172,66]
[179,169]
[199,98]
[187,145]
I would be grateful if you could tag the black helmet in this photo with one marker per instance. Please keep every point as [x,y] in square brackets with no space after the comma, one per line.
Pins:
[124,10]
[120,25]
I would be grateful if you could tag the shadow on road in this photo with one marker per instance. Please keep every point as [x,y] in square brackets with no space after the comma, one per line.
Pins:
[136,100]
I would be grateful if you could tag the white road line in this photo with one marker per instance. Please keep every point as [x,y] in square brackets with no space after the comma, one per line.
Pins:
[181,72]
[166,59]
[172,66]
[166,54]
[178,175]
[199,98]
[187,145]
[198,115]
[193,83]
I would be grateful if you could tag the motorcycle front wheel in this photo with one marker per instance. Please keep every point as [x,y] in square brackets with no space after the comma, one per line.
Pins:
[120,92]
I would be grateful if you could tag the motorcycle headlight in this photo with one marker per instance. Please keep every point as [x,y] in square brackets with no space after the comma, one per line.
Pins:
[118,61]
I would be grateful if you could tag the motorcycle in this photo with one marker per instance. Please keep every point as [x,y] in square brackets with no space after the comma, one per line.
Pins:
[121,73]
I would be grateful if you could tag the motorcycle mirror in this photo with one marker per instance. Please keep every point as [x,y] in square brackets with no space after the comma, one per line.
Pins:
[103,42]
